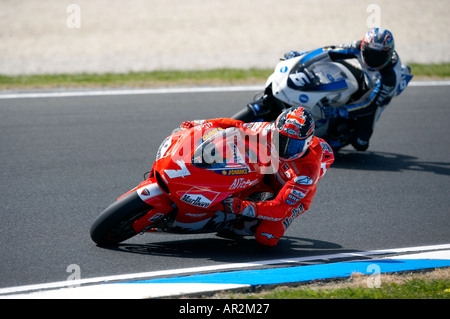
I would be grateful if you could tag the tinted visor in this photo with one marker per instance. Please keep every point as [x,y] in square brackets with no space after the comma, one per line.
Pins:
[376,58]
[290,146]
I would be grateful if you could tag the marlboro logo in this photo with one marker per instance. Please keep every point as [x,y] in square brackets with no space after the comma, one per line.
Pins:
[199,197]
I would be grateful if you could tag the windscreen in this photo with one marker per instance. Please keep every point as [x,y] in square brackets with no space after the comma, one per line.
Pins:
[320,76]
[223,149]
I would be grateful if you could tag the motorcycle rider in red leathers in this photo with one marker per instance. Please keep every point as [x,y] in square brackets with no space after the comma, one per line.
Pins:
[303,160]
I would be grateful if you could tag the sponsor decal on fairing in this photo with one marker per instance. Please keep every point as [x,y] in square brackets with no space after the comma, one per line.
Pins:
[199,197]
[182,172]
[240,183]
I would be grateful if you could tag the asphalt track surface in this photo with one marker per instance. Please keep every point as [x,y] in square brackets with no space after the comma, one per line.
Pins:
[64,160]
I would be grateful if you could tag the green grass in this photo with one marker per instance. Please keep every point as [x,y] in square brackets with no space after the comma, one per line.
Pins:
[172,78]
[441,70]
[429,285]
[414,289]
[136,79]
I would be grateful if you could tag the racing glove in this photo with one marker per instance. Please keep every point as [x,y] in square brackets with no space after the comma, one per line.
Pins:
[240,207]
[190,124]
[292,54]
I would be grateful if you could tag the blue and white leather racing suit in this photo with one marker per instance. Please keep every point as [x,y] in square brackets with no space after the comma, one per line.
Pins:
[376,88]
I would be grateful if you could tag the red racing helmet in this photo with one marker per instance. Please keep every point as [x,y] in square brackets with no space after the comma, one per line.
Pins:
[296,130]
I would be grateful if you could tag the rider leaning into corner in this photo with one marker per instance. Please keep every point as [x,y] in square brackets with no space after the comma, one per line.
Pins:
[380,64]
[304,159]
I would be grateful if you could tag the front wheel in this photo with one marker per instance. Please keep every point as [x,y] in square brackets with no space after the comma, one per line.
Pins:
[115,224]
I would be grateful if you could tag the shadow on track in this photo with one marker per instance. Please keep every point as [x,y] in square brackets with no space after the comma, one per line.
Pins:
[225,250]
[382,161]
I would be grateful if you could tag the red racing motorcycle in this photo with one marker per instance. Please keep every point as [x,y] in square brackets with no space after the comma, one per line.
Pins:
[195,170]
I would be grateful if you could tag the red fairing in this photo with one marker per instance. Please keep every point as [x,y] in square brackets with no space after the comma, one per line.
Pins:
[197,168]
[150,193]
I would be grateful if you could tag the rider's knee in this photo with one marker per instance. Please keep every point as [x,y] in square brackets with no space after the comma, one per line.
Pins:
[269,233]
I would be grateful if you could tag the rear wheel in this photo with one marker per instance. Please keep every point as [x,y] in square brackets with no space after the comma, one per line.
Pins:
[115,224]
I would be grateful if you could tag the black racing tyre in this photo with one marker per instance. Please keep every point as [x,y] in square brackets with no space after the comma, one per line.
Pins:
[115,224]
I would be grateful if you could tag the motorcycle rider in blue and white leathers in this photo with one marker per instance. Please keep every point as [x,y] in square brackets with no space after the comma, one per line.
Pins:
[380,66]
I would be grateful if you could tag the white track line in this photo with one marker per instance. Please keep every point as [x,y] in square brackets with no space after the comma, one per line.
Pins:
[213,89]
[112,92]
[194,270]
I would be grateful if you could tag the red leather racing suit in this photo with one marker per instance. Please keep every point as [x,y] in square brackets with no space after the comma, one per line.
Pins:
[294,184]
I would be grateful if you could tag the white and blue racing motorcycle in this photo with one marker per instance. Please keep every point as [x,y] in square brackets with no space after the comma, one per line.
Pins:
[314,82]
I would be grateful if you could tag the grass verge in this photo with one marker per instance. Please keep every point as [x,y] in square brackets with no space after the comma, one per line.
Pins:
[173,78]
[417,285]
[441,70]
[136,79]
